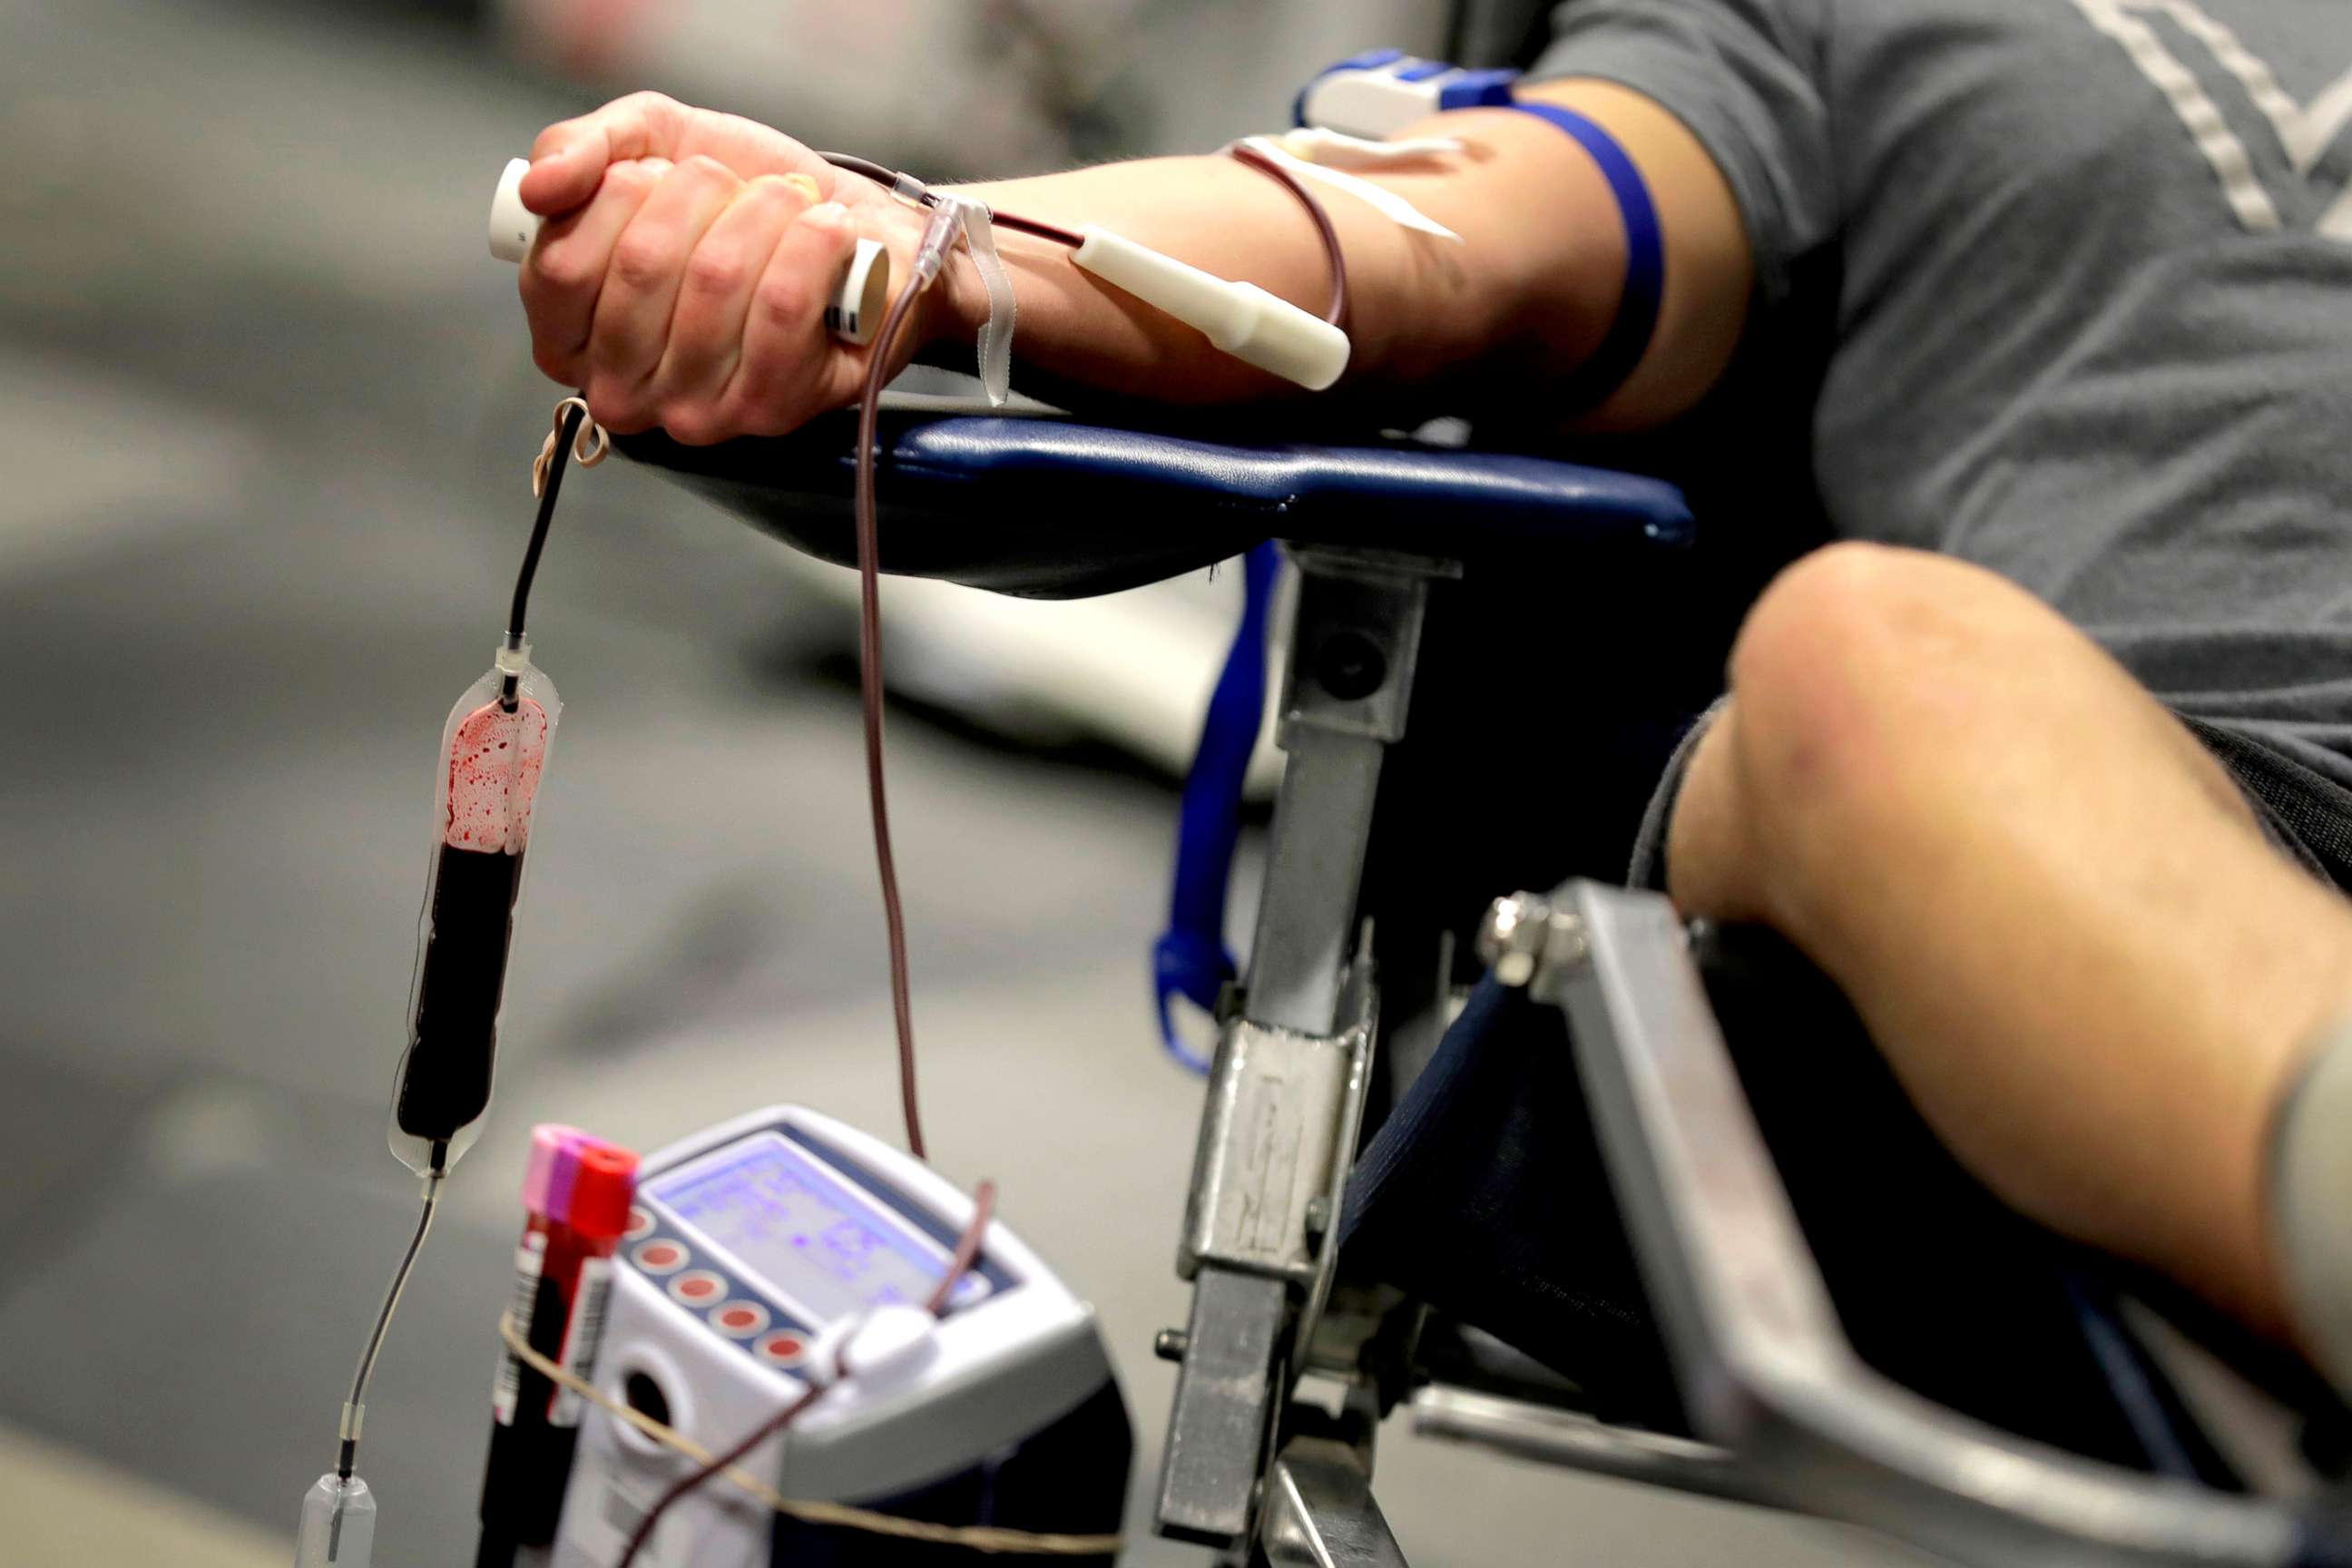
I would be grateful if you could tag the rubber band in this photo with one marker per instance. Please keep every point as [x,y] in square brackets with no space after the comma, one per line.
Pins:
[989,1537]
[589,447]
[1628,338]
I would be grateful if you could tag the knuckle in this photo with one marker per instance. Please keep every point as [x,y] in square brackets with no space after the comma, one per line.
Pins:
[635,177]
[642,260]
[557,271]
[552,137]
[555,363]
[658,111]
[616,407]
[784,300]
[716,269]
[693,423]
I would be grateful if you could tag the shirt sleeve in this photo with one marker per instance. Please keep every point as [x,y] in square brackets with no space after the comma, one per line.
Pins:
[1742,75]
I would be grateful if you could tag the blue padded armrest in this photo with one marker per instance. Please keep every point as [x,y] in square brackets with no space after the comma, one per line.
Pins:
[1051,508]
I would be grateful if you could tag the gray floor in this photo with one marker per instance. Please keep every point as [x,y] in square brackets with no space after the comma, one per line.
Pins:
[263,413]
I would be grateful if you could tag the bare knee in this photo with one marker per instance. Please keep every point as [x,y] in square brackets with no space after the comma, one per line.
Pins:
[1858,649]
[1859,668]
[1876,691]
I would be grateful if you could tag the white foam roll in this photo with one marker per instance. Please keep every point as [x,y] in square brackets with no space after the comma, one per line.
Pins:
[513,226]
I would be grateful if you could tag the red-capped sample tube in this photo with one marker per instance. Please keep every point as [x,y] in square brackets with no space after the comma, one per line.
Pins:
[576,1195]
[493,756]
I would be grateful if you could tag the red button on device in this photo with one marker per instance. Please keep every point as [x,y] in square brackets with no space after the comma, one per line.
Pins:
[784,1350]
[660,1257]
[739,1319]
[698,1288]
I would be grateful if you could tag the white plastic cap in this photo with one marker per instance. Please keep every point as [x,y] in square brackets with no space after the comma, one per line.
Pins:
[1241,318]
[513,226]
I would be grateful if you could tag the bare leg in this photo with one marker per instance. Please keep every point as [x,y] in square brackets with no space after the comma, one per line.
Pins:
[2052,909]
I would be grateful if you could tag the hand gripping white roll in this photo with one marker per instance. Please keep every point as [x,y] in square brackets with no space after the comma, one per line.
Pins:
[1241,318]
[851,314]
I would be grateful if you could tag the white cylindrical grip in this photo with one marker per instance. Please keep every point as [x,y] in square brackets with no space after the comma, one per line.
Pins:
[1241,318]
[1295,344]
[856,311]
[512,224]
[852,313]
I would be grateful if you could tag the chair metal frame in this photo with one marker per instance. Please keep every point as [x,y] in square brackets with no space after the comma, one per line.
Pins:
[1785,1414]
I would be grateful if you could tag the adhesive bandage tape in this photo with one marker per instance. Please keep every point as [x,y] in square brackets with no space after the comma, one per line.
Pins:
[856,311]
[853,313]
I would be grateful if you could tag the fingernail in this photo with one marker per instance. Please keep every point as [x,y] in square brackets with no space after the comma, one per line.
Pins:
[828,213]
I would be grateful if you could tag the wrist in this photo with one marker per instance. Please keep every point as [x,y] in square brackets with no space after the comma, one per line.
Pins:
[942,312]
[954,307]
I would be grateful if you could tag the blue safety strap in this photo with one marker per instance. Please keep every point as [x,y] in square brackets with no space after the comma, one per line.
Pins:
[1477,89]
[1191,959]
[1628,338]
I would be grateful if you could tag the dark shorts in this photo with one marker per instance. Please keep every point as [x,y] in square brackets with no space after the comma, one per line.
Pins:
[2306,815]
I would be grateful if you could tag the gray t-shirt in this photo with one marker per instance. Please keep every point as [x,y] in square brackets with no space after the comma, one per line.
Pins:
[2093,312]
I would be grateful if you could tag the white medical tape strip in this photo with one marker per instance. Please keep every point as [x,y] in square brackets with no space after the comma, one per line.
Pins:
[995,333]
[1337,150]
[1385,202]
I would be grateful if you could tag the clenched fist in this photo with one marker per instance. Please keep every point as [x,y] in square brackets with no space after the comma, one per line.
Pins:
[681,280]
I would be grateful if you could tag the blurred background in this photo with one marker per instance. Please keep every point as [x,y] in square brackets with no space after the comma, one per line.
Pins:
[265,411]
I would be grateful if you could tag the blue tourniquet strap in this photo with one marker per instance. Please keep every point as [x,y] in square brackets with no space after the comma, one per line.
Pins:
[1191,959]
[1645,258]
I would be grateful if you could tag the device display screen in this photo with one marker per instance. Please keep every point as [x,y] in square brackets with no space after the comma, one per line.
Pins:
[819,1240]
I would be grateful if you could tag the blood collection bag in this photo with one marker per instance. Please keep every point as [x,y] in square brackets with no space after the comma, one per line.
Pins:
[493,756]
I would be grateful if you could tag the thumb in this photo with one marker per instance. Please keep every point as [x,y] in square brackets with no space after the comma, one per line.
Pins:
[569,159]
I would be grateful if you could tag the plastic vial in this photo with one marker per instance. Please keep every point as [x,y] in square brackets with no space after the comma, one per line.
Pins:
[338,1525]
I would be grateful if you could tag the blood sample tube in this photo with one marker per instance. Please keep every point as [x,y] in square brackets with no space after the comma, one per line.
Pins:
[576,1196]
